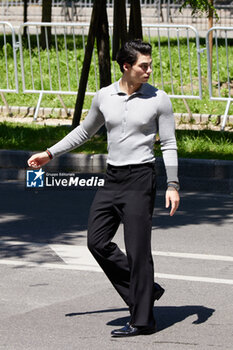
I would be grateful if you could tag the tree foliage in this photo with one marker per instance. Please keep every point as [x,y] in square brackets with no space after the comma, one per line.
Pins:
[200,7]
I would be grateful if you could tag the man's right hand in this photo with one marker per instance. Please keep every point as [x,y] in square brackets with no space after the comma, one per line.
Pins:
[38,160]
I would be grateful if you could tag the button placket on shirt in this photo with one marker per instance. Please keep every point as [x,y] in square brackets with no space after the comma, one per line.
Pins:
[124,116]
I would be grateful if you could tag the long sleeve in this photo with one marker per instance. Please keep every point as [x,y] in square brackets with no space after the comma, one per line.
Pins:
[91,124]
[166,126]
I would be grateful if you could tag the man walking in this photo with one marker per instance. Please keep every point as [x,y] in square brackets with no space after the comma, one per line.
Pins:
[133,112]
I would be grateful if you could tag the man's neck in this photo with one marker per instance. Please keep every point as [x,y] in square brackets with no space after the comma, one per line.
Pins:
[128,86]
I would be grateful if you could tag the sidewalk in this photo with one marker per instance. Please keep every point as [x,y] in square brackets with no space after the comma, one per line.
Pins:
[20,114]
[194,174]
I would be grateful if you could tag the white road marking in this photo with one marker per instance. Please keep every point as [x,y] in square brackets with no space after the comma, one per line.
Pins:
[194,256]
[79,258]
[24,263]
[73,254]
[98,269]
[194,278]
[69,253]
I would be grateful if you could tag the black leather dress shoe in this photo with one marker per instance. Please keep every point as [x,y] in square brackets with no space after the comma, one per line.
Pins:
[158,291]
[130,331]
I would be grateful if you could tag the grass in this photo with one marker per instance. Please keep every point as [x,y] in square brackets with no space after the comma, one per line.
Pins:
[160,73]
[204,144]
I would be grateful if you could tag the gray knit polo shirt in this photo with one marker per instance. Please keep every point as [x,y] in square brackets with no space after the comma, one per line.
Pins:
[132,123]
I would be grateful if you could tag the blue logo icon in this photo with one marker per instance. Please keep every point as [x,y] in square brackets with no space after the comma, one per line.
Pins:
[35,178]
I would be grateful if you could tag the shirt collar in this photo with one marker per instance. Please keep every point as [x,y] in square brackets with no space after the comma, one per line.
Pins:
[140,91]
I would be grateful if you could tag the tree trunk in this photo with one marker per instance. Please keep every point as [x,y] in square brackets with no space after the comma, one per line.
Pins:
[98,7]
[25,15]
[210,25]
[119,26]
[46,17]
[135,21]
[103,49]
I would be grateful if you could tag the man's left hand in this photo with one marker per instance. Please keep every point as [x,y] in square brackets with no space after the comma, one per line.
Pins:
[173,198]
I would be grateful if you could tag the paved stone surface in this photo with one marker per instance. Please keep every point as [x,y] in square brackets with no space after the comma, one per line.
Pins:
[21,114]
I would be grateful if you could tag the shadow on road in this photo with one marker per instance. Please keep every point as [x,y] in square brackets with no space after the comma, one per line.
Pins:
[166,316]
[195,208]
[60,216]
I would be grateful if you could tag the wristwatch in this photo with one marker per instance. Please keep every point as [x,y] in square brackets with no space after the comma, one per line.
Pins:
[174,185]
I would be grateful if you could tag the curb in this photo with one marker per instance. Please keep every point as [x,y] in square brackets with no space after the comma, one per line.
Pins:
[29,111]
[194,174]
[198,118]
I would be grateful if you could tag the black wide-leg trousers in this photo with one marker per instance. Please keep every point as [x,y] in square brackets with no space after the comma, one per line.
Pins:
[128,197]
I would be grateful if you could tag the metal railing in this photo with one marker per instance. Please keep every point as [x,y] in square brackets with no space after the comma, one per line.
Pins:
[171,62]
[163,11]
[54,68]
[45,67]
[69,11]
[9,71]
[220,72]
[81,3]
[172,14]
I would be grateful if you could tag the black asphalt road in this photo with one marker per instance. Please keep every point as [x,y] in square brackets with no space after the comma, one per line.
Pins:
[47,304]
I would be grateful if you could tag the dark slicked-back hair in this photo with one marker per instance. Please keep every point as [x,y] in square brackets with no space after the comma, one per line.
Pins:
[129,52]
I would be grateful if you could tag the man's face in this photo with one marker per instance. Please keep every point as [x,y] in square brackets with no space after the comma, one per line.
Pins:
[140,71]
